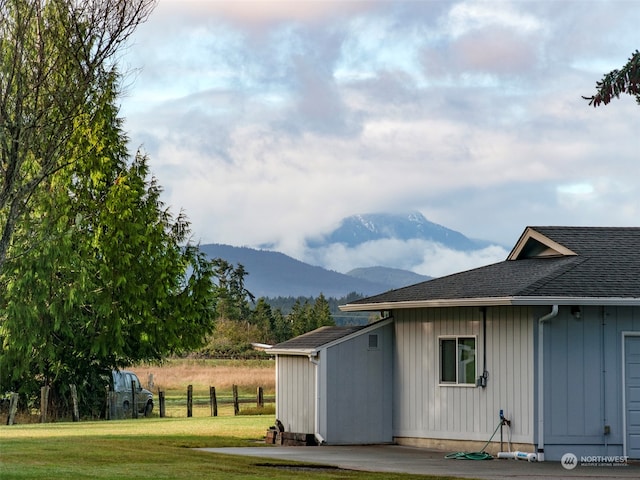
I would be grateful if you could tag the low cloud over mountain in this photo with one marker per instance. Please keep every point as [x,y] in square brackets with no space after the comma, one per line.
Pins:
[366,254]
[408,242]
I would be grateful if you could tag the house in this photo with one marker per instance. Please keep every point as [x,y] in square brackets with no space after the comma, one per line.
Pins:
[550,337]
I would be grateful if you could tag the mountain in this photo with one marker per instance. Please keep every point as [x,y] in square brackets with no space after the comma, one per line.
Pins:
[273,274]
[358,229]
[393,277]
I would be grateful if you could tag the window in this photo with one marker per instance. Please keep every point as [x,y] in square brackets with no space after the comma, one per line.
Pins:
[132,379]
[458,360]
[373,342]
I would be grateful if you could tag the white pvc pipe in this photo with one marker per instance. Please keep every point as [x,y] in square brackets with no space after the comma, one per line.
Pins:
[529,457]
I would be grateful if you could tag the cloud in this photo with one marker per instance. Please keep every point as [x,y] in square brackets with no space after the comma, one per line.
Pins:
[467,16]
[268,122]
[421,256]
[256,14]
[494,50]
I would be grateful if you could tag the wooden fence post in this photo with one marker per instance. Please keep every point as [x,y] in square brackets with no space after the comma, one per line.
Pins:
[260,398]
[74,400]
[189,400]
[134,406]
[161,401]
[213,401]
[13,408]
[44,403]
[236,405]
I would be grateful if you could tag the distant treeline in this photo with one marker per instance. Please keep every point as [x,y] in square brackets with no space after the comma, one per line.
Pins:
[286,306]
[243,321]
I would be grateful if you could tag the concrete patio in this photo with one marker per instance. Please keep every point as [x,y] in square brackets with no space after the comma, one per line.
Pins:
[393,458]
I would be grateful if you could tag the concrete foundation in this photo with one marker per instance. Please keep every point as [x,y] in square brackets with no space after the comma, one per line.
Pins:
[462,445]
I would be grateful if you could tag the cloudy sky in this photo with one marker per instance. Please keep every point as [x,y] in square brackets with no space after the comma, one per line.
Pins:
[270,121]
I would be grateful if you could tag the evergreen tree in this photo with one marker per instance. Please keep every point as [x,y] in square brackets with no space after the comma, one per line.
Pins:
[262,318]
[321,312]
[100,275]
[281,327]
[233,299]
[299,318]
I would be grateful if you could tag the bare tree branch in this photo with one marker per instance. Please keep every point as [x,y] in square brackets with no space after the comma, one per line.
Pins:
[56,58]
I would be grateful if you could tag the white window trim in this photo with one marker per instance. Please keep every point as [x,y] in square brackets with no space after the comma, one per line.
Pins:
[439,350]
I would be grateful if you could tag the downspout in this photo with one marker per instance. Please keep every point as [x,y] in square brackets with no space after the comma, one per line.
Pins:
[541,320]
[482,381]
[316,420]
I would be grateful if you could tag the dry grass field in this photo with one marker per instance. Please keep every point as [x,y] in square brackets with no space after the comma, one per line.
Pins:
[177,374]
[173,376]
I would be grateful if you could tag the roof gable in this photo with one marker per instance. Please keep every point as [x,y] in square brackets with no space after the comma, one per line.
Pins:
[533,244]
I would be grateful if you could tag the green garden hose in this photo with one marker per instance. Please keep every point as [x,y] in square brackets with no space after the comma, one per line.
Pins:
[470,456]
[481,455]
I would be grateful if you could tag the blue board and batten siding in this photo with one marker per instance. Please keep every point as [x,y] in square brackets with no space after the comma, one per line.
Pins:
[425,409]
[356,378]
[584,403]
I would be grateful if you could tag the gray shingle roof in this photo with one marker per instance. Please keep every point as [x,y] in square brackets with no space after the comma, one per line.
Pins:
[317,338]
[606,265]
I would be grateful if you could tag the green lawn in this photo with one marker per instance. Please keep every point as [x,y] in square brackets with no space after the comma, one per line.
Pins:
[151,448]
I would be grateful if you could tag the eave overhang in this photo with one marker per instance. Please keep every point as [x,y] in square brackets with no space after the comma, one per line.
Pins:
[491,301]
[308,352]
